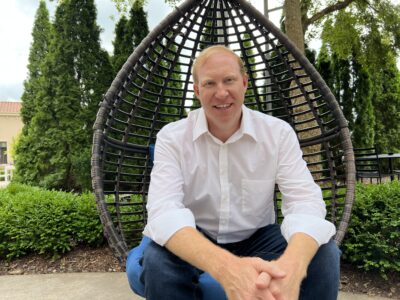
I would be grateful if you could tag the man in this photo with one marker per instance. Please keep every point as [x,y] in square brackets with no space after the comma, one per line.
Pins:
[210,200]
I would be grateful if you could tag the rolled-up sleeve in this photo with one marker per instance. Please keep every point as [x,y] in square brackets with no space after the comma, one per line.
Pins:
[166,212]
[302,205]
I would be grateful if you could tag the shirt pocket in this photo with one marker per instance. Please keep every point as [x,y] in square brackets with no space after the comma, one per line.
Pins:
[258,197]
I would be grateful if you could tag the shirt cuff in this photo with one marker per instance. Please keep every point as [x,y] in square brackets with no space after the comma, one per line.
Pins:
[164,226]
[319,229]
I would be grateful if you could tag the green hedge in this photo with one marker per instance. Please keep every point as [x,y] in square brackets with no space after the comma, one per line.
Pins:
[373,238]
[34,220]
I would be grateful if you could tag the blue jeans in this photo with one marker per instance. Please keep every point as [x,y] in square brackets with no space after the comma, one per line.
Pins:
[166,276]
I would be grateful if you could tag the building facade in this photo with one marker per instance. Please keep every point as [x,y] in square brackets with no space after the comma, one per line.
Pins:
[10,127]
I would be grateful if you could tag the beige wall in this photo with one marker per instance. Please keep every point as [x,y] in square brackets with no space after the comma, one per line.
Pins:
[10,126]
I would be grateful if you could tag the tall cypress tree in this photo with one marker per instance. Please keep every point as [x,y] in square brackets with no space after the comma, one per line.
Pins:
[91,63]
[362,42]
[129,33]
[122,45]
[386,102]
[38,51]
[76,73]
[26,158]
[138,23]
[55,129]
[92,71]
[324,65]
[350,82]
[364,123]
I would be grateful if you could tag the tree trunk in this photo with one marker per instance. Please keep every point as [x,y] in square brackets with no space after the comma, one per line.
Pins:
[293,24]
[294,30]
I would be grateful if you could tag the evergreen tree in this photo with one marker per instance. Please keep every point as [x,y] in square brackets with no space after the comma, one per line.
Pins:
[386,102]
[366,80]
[122,45]
[38,51]
[350,83]
[93,72]
[92,65]
[324,65]
[342,87]
[26,158]
[364,123]
[129,33]
[76,73]
[55,128]
[138,23]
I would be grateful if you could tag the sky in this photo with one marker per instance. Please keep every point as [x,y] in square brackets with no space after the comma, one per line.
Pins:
[16,22]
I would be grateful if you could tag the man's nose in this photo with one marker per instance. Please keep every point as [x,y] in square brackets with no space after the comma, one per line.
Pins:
[222,91]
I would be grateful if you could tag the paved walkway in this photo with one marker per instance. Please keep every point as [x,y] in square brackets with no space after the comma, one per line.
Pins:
[77,286]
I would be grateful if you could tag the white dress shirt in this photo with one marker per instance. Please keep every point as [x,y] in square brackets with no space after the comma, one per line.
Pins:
[227,189]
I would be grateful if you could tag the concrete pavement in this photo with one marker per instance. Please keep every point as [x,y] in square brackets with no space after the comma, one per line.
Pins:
[92,286]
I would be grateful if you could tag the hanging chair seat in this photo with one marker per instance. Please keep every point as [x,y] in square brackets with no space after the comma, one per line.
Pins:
[155,87]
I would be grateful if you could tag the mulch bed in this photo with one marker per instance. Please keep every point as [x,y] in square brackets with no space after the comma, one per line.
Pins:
[81,259]
[371,283]
[84,259]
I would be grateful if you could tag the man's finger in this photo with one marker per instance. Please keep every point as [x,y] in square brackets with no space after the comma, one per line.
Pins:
[272,269]
[263,280]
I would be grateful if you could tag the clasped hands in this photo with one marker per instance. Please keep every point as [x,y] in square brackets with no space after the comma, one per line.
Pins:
[249,278]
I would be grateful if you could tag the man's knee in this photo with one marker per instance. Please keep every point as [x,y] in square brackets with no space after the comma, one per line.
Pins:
[155,258]
[322,281]
[159,262]
[325,266]
[328,256]
[165,273]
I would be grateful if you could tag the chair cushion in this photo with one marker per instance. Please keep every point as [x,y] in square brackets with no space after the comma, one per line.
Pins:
[210,288]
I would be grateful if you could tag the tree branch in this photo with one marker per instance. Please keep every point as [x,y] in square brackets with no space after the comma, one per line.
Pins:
[327,10]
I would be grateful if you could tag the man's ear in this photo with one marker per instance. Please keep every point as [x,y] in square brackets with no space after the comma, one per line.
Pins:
[246,80]
[196,90]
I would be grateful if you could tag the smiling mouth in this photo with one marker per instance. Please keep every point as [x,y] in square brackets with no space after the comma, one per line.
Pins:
[223,106]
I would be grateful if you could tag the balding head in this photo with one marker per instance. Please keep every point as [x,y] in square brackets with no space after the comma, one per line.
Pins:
[206,53]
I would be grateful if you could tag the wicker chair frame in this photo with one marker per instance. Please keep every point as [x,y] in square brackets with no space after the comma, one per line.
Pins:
[155,87]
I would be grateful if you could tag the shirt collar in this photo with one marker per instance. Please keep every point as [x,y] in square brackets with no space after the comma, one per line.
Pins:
[246,125]
[200,124]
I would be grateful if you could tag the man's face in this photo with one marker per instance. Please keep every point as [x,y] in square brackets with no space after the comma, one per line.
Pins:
[221,88]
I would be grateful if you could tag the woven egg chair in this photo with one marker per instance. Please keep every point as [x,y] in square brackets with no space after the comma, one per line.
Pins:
[155,87]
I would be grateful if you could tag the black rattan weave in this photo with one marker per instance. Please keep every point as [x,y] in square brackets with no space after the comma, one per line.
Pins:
[154,87]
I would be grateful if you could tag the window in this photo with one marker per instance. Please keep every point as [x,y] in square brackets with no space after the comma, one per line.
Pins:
[3,152]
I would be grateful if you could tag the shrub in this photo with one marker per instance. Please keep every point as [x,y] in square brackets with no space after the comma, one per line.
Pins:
[373,238]
[34,220]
